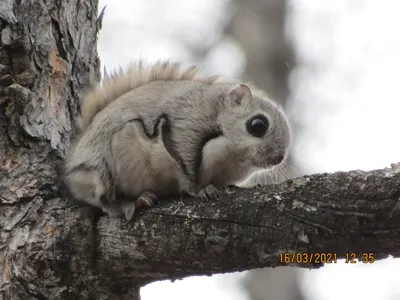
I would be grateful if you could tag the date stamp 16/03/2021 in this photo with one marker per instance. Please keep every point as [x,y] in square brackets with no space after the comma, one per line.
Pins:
[325,258]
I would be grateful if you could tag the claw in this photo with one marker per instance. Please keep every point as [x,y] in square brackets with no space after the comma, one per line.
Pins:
[147,199]
[209,192]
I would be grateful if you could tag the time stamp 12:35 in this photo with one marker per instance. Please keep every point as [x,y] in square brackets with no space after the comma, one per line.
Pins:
[325,258]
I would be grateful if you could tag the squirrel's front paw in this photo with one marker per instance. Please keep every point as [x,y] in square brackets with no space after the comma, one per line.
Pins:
[209,192]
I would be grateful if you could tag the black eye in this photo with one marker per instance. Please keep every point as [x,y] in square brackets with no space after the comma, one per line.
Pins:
[257,125]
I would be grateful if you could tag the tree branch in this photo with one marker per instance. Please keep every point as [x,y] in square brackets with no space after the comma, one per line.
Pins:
[339,213]
[65,246]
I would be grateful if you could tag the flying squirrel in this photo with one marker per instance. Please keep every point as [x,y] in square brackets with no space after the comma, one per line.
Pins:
[157,130]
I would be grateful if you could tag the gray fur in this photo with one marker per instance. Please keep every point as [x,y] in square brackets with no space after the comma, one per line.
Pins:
[168,137]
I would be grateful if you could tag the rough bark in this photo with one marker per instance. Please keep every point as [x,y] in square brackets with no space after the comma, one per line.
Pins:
[54,248]
[47,58]
[58,249]
[336,213]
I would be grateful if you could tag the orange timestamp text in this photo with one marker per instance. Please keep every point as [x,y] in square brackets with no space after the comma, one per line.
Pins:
[325,258]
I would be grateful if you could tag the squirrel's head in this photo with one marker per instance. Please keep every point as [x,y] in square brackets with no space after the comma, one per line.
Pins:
[257,128]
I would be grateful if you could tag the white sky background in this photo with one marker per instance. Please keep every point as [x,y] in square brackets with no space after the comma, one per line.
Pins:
[346,97]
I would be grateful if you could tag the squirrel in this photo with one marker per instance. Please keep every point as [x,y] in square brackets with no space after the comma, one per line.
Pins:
[159,130]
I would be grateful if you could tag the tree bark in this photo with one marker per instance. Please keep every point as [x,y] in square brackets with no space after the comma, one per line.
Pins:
[54,248]
[48,58]
[337,213]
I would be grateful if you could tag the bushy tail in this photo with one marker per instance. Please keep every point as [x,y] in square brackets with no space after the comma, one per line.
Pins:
[138,74]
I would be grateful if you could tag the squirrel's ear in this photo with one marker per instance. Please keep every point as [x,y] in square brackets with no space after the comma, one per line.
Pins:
[240,94]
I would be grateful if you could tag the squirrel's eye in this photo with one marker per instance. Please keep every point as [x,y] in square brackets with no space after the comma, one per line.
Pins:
[257,126]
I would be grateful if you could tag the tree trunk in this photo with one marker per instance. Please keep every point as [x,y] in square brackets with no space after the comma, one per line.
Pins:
[53,248]
[48,58]
[259,26]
